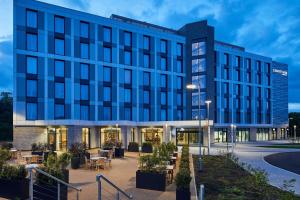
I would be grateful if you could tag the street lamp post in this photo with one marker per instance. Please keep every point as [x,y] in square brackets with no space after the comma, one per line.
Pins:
[295,133]
[208,127]
[232,143]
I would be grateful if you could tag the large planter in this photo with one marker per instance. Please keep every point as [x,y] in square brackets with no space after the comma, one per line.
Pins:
[119,152]
[133,147]
[49,191]
[151,180]
[82,158]
[38,153]
[75,162]
[183,194]
[12,189]
[147,149]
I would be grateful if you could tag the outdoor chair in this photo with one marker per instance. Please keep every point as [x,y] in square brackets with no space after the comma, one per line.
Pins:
[100,164]
[88,163]
[109,159]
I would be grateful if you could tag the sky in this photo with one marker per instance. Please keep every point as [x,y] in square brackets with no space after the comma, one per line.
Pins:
[269,27]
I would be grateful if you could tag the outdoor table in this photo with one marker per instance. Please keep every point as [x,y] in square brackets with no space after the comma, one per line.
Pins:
[170,170]
[97,158]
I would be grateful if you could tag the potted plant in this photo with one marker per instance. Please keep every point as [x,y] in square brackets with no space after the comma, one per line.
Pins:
[133,147]
[37,149]
[75,155]
[108,145]
[147,147]
[182,180]
[119,151]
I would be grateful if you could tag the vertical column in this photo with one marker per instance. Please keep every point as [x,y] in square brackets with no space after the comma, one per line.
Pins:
[72,69]
[96,72]
[118,62]
[137,79]
[156,77]
[46,67]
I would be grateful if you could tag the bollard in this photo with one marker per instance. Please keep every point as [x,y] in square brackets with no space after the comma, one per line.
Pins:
[201,192]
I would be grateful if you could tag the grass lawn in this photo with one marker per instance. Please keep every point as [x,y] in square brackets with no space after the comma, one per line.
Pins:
[283,146]
[224,179]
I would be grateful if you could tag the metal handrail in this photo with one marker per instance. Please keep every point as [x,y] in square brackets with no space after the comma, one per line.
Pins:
[99,176]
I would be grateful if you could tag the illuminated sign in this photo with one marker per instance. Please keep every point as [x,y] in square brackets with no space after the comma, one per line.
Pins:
[279,71]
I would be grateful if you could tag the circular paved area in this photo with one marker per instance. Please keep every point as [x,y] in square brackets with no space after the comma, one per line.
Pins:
[287,160]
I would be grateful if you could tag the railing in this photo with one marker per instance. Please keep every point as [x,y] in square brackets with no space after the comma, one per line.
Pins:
[99,177]
[42,190]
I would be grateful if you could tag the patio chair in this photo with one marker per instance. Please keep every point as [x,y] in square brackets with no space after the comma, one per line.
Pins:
[109,159]
[100,164]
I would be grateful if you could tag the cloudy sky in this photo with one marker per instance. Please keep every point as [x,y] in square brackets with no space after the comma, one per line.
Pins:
[270,28]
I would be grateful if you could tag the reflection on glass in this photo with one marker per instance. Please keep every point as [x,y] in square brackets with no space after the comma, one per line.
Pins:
[153,135]
[110,134]
[198,48]
[86,137]
[57,138]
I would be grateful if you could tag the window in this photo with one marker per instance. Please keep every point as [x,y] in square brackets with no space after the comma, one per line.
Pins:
[268,92]
[127,95]
[146,114]
[59,111]
[106,34]
[107,113]
[248,77]
[268,68]
[107,74]
[200,79]
[198,65]
[248,91]
[146,97]
[179,66]
[198,48]
[179,114]
[84,92]
[32,43]
[163,98]
[163,63]
[146,78]
[248,64]
[179,83]
[146,41]
[127,113]
[31,113]
[84,50]
[84,71]
[163,114]
[31,88]
[195,98]
[107,54]
[258,78]
[84,29]
[237,61]
[31,19]
[59,70]
[179,99]
[127,38]
[163,46]
[59,90]
[31,65]
[127,57]
[226,59]
[59,26]
[84,112]
[258,66]
[226,88]
[226,102]
[248,104]
[163,80]
[226,74]
[59,46]
[146,60]
[127,77]
[237,103]
[179,49]
[107,94]
[237,74]
[259,92]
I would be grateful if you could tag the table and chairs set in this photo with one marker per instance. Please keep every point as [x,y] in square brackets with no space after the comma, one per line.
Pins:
[98,161]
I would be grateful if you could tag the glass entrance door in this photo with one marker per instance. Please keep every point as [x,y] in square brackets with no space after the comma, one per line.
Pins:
[58,138]
[153,135]
[220,135]
[188,136]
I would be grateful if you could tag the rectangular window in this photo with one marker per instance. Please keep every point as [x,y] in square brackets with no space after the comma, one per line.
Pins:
[31,88]
[268,68]
[146,78]
[127,57]
[195,98]
[226,88]
[107,34]
[248,91]
[259,92]
[198,48]
[258,78]
[179,99]
[179,66]
[127,76]
[163,63]
[163,115]
[59,26]
[237,61]
[163,80]
[84,112]
[84,50]
[268,92]
[127,95]
[127,113]
[226,59]
[163,46]
[146,41]
[84,92]
[248,77]
[146,60]
[179,49]
[226,74]
[106,74]
[84,71]
[258,66]
[84,29]
[179,115]
[107,113]
[32,43]
[31,111]
[59,70]
[31,18]
[163,98]
[237,74]
[146,97]
[59,111]
[127,39]
[179,82]
[107,54]
[59,90]
[107,94]
[32,65]
[146,114]
[198,65]
[59,46]
[248,64]
[200,79]
[248,104]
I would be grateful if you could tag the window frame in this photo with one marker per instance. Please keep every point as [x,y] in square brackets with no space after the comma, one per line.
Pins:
[80,28]
[36,42]
[130,34]
[64,27]
[34,11]
[37,61]
[64,46]
[64,113]
[64,96]
[110,33]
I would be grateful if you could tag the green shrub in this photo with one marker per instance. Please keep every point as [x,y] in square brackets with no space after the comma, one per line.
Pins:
[108,145]
[63,160]
[56,172]
[183,179]
[4,156]
[10,172]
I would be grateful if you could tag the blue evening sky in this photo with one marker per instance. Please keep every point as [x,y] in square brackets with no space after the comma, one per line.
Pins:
[270,28]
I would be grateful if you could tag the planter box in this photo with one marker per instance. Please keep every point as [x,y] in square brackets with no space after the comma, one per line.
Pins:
[11,189]
[39,153]
[183,194]
[49,191]
[146,149]
[151,180]
[119,152]
[132,148]
[75,162]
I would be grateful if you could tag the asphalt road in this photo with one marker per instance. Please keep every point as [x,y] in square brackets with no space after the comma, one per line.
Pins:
[288,160]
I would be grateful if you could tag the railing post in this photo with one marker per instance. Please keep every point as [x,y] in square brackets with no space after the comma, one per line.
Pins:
[118,195]
[77,195]
[201,192]
[58,191]
[30,184]
[99,186]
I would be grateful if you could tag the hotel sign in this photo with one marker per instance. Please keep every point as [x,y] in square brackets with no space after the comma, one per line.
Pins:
[279,71]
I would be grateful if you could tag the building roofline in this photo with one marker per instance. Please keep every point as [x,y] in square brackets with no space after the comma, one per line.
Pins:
[230,45]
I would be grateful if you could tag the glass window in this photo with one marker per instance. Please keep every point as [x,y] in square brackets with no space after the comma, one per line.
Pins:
[268,92]
[84,50]
[59,68]
[237,61]
[59,24]
[84,29]
[163,80]
[84,92]
[248,77]
[146,60]
[31,17]
[59,111]
[146,77]
[201,79]
[146,114]
[127,38]
[195,113]
[107,113]
[32,88]
[146,40]
[127,113]
[107,93]
[84,112]
[163,63]
[179,99]
[106,34]
[226,74]
[248,64]
[59,90]
[127,95]
[248,91]
[163,46]
[31,65]
[107,54]
[179,49]
[59,46]
[84,71]
[226,88]
[179,82]
[32,44]
[198,65]
[163,98]
[195,98]
[146,97]
[127,78]
[163,114]
[31,113]
[226,59]
[179,66]
[179,114]
[127,57]
[198,48]
[237,74]
[107,74]
[258,66]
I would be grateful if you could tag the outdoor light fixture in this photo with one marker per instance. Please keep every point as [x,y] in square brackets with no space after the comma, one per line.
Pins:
[208,127]
[191,86]
[295,134]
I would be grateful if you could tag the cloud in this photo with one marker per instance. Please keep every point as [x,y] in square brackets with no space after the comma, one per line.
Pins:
[294,107]
[6,60]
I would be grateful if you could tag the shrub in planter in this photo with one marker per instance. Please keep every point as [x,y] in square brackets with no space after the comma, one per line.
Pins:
[119,151]
[108,145]
[182,180]
[4,156]
[76,151]
[133,147]
[147,147]
[151,180]
[6,145]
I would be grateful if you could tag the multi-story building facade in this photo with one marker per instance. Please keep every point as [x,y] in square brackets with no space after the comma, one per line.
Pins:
[85,78]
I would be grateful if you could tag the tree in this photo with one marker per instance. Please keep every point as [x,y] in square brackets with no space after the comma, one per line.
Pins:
[6,117]
[294,119]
